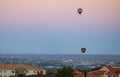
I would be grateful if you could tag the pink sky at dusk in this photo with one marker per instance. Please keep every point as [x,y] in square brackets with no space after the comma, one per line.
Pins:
[52,11]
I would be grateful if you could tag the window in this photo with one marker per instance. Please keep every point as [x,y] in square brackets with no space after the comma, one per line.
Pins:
[4,71]
[109,76]
[0,71]
[35,71]
[26,71]
[5,76]
[114,76]
[13,71]
[41,72]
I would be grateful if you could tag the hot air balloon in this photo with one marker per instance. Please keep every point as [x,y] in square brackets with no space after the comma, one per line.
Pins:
[83,50]
[80,10]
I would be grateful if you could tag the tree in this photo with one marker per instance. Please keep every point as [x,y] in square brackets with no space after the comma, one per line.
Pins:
[20,75]
[12,76]
[64,72]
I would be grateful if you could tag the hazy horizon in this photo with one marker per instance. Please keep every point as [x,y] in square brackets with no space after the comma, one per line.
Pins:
[81,54]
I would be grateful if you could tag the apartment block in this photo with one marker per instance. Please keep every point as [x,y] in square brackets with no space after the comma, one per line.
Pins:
[7,70]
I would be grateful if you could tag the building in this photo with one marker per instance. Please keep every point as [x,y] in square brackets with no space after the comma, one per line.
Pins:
[106,71]
[7,70]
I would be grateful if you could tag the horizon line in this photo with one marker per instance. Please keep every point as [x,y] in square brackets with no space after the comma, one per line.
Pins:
[51,54]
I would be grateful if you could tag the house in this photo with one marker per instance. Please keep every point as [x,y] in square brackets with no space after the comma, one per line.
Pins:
[106,71]
[7,70]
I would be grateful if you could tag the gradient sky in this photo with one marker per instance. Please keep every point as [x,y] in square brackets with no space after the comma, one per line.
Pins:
[55,27]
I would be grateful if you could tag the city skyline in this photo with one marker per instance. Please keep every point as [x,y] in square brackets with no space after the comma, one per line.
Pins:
[55,27]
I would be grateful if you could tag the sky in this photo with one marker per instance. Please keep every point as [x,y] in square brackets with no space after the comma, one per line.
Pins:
[55,27]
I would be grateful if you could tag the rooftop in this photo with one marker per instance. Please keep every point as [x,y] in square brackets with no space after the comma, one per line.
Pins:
[78,73]
[17,66]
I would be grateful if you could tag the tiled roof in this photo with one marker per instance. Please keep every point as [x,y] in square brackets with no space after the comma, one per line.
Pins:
[109,70]
[98,72]
[109,67]
[117,69]
[113,70]
[78,73]
[17,66]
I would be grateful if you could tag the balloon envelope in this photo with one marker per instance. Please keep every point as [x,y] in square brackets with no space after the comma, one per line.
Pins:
[83,50]
[80,10]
